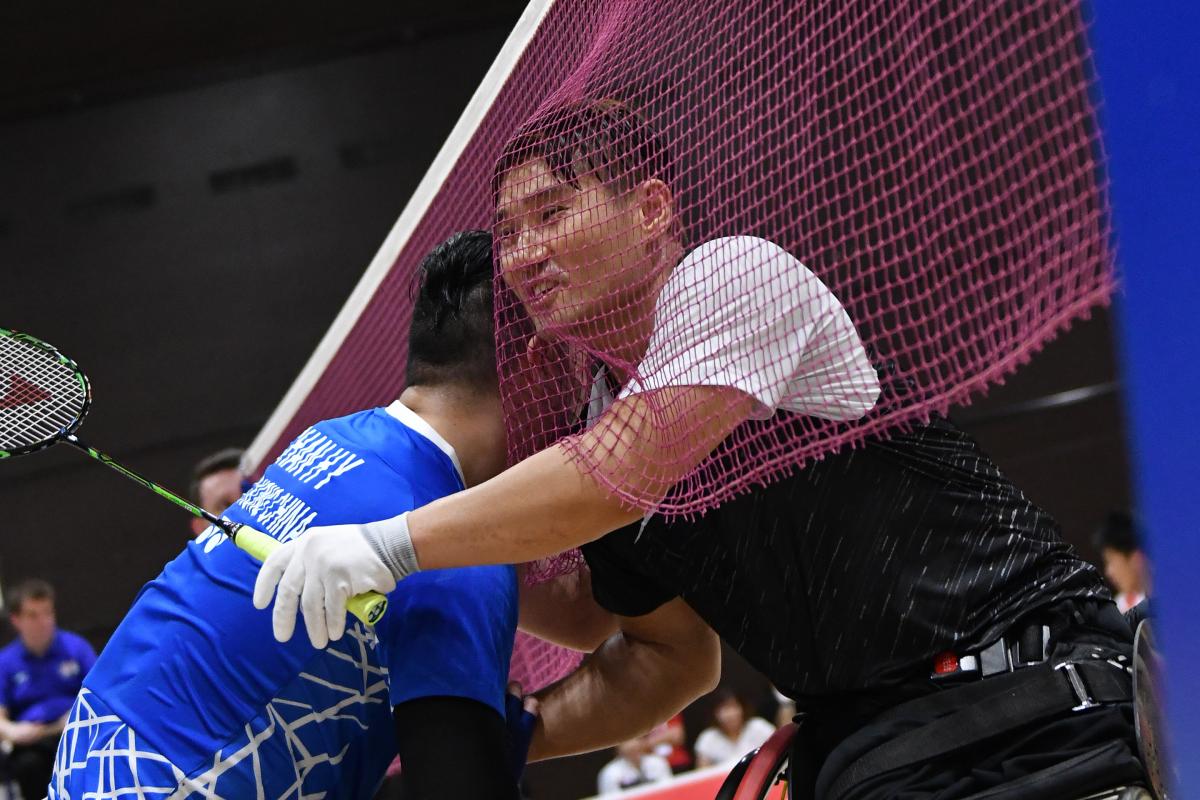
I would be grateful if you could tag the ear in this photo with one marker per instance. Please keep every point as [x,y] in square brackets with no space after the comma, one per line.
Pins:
[656,207]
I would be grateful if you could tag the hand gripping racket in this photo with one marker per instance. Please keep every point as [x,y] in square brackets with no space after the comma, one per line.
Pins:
[44,397]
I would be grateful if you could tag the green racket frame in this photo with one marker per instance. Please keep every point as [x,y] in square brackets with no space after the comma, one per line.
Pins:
[368,607]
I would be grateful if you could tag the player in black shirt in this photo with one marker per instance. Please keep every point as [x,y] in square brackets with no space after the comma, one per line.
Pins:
[862,567]
[861,571]
[850,583]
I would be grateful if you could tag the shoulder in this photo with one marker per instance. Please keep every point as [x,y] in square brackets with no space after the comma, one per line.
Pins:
[361,431]
[728,248]
[739,258]
[371,432]
[367,465]
[745,272]
[712,745]
[759,727]
[74,643]
[10,654]
[307,454]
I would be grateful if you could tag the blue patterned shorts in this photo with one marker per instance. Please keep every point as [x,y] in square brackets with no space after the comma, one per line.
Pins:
[280,755]
[101,758]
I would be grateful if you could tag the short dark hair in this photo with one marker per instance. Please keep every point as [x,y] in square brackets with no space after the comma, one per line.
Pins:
[229,458]
[605,137]
[1119,532]
[29,589]
[452,336]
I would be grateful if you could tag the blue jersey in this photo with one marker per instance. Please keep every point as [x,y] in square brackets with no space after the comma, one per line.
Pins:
[195,671]
[41,688]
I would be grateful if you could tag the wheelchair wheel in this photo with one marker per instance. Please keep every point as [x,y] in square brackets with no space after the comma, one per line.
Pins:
[767,767]
[734,779]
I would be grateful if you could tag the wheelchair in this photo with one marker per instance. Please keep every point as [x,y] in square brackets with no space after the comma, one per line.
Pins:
[768,774]
[763,771]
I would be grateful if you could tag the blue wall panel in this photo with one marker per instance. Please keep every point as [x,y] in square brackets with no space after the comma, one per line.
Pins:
[1148,57]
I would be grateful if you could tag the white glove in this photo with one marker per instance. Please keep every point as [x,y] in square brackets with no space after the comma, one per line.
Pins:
[320,571]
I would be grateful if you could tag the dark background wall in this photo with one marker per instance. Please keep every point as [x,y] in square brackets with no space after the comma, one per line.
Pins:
[187,196]
[189,248]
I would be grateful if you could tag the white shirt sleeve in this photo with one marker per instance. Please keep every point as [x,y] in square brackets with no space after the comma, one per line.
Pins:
[655,769]
[743,312]
[712,745]
[757,731]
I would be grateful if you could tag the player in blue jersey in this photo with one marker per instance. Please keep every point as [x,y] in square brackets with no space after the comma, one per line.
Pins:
[41,671]
[193,697]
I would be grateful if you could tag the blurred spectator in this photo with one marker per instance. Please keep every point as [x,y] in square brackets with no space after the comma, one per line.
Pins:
[1125,563]
[40,674]
[667,741]
[635,765]
[216,483]
[734,732]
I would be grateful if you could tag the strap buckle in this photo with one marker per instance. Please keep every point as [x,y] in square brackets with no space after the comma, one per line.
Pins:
[1026,647]
[1077,685]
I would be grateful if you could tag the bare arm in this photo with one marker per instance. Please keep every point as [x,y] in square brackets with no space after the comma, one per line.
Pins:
[21,733]
[644,674]
[547,504]
[542,506]
[563,611]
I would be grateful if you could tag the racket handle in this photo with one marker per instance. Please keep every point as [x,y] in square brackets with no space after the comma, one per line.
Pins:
[368,607]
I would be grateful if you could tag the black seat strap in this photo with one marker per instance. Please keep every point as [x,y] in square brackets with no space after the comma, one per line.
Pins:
[993,707]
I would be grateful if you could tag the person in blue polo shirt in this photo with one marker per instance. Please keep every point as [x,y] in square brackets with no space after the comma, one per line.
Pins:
[193,697]
[40,674]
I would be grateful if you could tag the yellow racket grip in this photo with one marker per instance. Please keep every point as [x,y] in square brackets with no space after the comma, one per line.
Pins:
[367,607]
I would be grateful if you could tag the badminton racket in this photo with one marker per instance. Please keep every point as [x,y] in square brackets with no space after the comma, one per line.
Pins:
[44,397]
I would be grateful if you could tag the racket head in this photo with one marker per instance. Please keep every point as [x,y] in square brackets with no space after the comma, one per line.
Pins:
[44,395]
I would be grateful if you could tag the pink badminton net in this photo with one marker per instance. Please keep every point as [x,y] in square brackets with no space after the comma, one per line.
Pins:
[857,214]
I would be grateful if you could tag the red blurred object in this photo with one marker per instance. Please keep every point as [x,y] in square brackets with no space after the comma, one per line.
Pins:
[945,663]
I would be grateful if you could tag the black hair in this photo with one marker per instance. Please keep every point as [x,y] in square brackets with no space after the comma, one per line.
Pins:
[30,589]
[1119,532]
[605,137]
[229,458]
[452,339]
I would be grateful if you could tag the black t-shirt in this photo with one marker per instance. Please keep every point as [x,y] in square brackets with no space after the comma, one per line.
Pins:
[853,573]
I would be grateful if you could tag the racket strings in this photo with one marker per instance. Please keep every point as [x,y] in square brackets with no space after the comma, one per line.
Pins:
[40,396]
